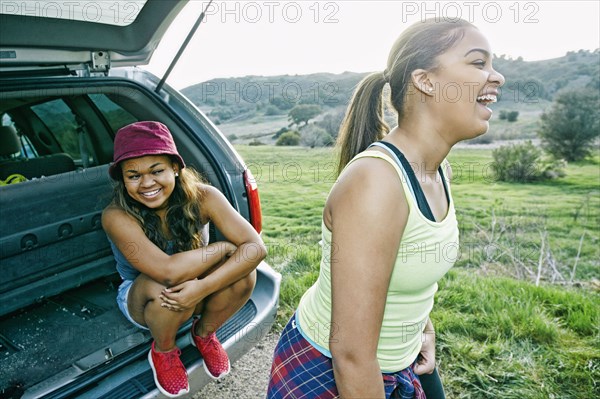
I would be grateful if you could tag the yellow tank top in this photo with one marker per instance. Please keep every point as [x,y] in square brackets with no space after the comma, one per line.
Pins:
[427,251]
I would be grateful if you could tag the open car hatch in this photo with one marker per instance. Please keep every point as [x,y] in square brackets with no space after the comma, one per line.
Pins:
[93,34]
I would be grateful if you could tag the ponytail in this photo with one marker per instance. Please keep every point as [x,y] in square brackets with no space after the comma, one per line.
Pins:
[363,123]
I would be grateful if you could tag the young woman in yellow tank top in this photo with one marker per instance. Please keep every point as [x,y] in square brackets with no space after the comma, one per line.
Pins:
[389,228]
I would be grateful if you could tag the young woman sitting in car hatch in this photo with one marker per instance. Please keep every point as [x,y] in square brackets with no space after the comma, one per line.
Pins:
[158,227]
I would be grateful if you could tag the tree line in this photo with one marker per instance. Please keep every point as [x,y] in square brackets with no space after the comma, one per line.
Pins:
[568,130]
[528,82]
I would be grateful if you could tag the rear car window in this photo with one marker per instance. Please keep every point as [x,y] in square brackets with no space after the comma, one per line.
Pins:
[116,116]
[27,149]
[60,134]
[59,119]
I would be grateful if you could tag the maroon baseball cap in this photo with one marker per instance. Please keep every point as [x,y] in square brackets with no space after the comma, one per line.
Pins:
[142,138]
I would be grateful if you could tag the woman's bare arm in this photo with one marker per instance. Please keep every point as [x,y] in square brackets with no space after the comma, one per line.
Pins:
[125,232]
[249,252]
[368,213]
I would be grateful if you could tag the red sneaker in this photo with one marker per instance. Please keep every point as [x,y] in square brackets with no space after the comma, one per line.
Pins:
[216,361]
[170,375]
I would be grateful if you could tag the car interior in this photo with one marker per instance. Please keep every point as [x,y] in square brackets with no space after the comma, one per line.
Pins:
[67,85]
[53,242]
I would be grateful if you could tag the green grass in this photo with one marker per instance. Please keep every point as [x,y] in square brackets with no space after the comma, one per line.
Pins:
[497,336]
[503,224]
[504,338]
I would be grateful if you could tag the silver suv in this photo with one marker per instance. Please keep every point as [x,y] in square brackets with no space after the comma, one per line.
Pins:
[68,81]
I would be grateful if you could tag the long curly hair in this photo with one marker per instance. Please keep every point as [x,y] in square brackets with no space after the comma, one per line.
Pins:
[182,216]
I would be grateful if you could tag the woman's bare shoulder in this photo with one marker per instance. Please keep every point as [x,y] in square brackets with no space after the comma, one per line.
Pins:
[113,210]
[113,215]
[366,173]
[209,197]
[368,182]
[205,189]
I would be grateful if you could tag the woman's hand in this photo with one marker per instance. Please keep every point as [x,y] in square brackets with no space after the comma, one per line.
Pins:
[426,361]
[189,293]
[182,296]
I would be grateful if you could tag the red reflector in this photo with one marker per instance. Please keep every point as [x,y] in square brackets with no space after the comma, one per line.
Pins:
[253,201]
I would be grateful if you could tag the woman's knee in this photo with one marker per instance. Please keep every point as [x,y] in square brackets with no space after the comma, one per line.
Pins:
[143,291]
[244,286]
[233,294]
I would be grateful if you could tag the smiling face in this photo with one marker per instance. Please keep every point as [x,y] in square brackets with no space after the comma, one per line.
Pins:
[150,180]
[464,83]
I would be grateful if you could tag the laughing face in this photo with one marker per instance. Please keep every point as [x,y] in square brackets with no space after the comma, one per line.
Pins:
[150,180]
[465,84]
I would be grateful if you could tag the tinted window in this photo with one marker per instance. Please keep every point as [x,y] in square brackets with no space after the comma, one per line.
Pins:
[116,116]
[59,119]
[27,150]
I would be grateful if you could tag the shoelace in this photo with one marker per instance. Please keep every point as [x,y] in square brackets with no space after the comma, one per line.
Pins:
[171,359]
[211,340]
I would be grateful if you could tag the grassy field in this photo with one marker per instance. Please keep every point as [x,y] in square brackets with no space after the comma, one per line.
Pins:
[257,127]
[525,127]
[510,226]
[519,316]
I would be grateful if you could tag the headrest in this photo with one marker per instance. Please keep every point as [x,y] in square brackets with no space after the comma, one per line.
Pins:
[9,141]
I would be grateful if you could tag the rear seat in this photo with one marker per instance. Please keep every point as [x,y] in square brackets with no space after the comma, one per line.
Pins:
[52,238]
[48,165]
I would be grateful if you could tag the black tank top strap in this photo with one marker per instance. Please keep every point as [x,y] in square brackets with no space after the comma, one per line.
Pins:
[413,181]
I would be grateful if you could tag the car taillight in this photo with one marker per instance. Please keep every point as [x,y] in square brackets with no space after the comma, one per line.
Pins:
[253,201]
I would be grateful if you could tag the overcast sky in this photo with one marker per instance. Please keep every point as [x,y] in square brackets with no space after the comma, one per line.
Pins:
[240,38]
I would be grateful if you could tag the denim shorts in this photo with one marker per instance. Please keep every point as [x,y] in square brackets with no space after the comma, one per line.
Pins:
[122,302]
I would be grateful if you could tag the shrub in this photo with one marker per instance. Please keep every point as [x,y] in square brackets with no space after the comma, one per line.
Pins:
[572,125]
[256,142]
[289,138]
[303,113]
[272,110]
[512,116]
[222,113]
[524,163]
[315,136]
[282,104]
[232,137]
[280,132]
[482,139]
[331,123]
